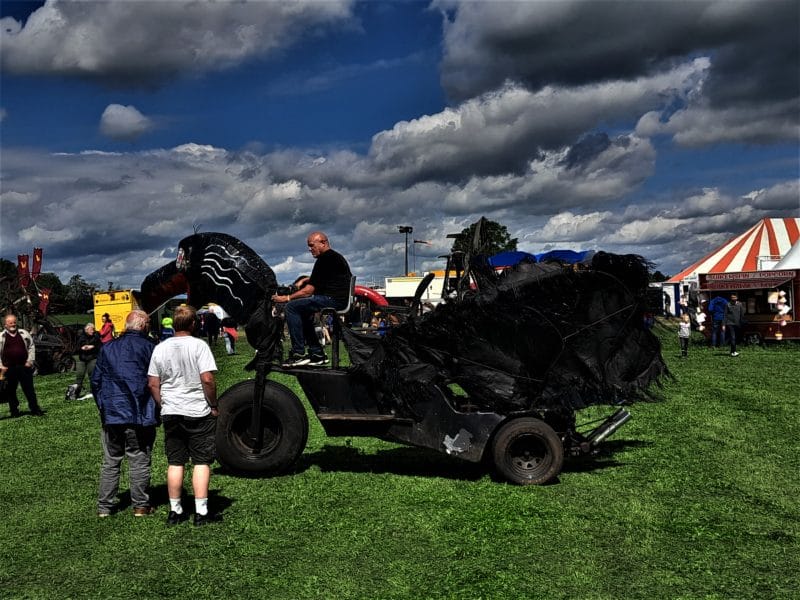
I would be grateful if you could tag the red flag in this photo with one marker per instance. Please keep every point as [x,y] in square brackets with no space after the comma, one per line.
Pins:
[37,263]
[44,300]
[22,270]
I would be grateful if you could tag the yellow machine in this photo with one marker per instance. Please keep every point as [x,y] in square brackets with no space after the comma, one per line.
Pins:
[117,303]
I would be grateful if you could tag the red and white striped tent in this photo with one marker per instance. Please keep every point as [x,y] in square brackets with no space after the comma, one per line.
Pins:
[757,249]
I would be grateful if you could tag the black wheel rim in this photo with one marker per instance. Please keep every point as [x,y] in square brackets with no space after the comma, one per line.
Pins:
[528,455]
[240,439]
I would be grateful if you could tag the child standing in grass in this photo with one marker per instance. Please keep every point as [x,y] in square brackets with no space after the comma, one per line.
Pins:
[684,333]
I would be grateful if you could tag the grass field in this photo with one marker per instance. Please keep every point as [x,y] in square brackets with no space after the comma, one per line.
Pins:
[697,497]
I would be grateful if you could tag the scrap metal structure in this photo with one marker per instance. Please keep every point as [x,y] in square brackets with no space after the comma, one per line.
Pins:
[496,372]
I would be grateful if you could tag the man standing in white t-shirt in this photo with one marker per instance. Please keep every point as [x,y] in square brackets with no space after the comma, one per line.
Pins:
[181,380]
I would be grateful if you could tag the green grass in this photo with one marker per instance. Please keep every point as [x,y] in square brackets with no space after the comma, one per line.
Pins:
[696,497]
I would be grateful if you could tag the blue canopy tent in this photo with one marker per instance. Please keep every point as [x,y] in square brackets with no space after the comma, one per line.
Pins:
[567,256]
[512,257]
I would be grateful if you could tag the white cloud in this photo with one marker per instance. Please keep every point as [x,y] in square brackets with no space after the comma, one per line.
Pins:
[570,227]
[147,42]
[124,122]
[41,235]
[503,130]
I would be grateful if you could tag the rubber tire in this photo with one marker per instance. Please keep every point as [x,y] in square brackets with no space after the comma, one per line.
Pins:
[283,419]
[527,451]
[65,365]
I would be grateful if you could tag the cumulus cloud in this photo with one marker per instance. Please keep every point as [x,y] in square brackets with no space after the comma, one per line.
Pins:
[501,131]
[161,196]
[783,196]
[124,123]
[558,111]
[749,94]
[569,227]
[129,43]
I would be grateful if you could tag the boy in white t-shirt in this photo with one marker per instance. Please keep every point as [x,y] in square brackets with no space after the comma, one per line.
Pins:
[181,380]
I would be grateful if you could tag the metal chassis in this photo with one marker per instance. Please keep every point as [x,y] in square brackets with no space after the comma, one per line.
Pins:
[348,406]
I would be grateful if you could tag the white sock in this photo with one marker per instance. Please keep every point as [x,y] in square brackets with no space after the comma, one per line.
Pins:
[175,505]
[201,506]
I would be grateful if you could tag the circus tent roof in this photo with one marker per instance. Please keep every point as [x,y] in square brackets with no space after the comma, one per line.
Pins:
[791,260]
[769,238]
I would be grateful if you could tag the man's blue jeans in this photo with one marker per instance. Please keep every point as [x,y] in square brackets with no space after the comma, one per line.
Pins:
[717,335]
[300,322]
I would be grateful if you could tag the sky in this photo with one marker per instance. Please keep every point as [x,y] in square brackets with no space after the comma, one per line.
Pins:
[662,128]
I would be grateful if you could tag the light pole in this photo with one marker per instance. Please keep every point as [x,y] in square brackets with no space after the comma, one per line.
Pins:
[405,229]
[415,252]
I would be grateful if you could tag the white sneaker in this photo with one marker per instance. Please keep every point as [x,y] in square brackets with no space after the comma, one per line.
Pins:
[734,354]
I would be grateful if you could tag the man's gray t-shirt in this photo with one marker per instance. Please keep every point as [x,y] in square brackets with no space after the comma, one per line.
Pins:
[178,362]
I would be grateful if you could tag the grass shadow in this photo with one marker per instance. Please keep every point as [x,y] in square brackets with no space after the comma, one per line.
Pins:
[418,462]
[602,458]
[159,496]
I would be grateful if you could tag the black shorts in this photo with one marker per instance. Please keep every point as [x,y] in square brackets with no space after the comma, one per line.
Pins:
[189,438]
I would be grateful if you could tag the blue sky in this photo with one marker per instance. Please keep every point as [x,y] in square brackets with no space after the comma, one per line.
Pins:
[659,128]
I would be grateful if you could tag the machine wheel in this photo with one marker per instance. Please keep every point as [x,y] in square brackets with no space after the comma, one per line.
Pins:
[283,421]
[65,365]
[528,451]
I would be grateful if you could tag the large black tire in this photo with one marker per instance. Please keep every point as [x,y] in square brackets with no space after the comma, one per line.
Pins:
[283,420]
[527,451]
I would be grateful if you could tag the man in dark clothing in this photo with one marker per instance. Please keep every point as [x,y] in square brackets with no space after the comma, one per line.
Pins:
[327,287]
[128,414]
[88,345]
[734,319]
[17,353]
[212,323]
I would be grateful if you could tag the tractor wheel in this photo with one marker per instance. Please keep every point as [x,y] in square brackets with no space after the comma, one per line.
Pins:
[528,451]
[283,421]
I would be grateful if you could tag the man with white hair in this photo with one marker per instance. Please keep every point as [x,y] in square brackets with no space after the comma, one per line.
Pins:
[17,353]
[128,414]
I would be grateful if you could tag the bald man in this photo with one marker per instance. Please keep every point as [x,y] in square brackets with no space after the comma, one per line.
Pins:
[327,287]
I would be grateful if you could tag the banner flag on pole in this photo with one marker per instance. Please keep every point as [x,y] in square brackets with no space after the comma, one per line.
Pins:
[37,263]
[22,270]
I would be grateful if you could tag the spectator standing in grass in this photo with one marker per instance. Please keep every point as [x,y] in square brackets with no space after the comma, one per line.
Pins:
[128,414]
[212,324]
[17,354]
[89,345]
[166,328]
[230,333]
[181,379]
[734,319]
[717,309]
[684,333]
[106,329]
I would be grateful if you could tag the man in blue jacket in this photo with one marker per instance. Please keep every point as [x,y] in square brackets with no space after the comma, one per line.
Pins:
[717,309]
[128,414]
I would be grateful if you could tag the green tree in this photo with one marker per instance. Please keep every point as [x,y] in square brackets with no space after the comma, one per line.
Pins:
[658,277]
[494,234]
[79,294]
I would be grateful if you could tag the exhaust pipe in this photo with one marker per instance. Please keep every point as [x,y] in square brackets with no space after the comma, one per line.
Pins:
[609,426]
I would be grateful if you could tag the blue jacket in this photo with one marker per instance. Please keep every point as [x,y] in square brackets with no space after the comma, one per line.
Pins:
[119,381]
[717,308]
